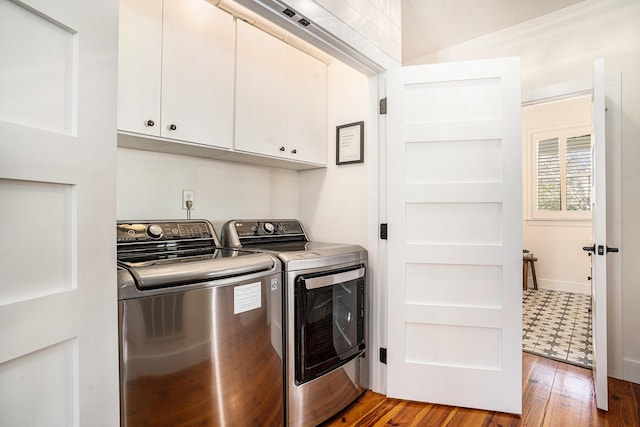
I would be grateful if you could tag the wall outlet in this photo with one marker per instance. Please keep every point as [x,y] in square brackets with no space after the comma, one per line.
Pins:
[188,195]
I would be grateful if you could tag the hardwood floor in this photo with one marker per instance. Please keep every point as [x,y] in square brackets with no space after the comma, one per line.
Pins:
[554,394]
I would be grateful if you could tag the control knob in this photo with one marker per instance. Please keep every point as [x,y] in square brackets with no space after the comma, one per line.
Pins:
[154,231]
[268,228]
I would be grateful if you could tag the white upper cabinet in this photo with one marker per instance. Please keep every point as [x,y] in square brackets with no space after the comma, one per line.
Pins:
[186,67]
[261,92]
[280,99]
[307,108]
[176,71]
[139,61]
[197,73]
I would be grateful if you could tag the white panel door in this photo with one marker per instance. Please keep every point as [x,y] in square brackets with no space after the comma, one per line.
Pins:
[58,318]
[455,234]
[599,232]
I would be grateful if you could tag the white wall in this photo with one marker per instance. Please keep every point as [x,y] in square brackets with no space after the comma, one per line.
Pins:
[334,202]
[340,203]
[562,264]
[150,187]
[559,48]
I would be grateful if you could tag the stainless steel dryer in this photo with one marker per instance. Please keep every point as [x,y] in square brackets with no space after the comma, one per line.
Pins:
[201,339]
[325,289]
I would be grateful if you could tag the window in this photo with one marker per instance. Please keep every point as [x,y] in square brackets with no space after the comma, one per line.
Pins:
[562,174]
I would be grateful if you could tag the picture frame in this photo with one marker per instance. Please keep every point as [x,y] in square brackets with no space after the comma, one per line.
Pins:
[350,143]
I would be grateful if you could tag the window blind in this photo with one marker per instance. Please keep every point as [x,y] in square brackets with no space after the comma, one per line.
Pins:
[578,164]
[548,175]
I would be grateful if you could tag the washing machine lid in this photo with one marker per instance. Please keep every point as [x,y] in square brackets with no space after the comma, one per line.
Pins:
[170,253]
[185,271]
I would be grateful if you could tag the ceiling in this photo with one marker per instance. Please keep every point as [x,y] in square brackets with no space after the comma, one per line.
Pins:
[431,25]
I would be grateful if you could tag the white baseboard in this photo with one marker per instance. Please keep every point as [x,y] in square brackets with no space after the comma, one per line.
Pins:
[556,285]
[631,370]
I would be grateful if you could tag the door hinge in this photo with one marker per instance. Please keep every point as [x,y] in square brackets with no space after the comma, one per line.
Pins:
[383,355]
[383,231]
[383,106]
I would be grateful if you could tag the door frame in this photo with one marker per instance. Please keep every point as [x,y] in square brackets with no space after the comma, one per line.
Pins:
[575,89]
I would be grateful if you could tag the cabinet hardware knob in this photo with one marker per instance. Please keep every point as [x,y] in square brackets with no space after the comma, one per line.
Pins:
[172,127]
[150,123]
[282,148]
[294,151]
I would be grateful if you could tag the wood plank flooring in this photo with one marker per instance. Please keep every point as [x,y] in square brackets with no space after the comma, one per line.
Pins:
[554,394]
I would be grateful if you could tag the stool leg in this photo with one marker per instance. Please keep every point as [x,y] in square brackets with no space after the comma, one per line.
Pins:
[533,273]
[525,273]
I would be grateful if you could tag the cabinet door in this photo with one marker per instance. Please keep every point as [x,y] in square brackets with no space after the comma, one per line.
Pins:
[197,73]
[139,61]
[307,105]
[261,92]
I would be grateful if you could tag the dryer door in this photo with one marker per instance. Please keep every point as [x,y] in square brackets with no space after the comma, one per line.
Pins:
[329,320]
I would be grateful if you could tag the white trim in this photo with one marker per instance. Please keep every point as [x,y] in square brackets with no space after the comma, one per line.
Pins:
[618,366]
[631,370]
[558,222]
[615,321]
[564,286]
[559,92]
[377,248]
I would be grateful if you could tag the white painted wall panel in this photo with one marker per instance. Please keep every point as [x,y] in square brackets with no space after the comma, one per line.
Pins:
[49,377]
[455,346]
[454,285]
[37,90]
[454,223]
[44,243]
[437,162]
[444,105]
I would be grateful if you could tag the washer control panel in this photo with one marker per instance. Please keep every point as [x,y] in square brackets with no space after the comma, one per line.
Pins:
[163,230]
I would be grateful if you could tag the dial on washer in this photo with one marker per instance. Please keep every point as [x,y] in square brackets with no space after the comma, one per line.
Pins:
[268,228]
[154,231]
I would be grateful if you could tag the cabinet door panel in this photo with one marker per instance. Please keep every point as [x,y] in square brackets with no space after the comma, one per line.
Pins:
[139,62]
[261,104]
[197,73]
[306,118]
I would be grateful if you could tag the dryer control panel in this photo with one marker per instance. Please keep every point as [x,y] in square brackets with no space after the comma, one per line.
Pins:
[269,228]
[260,232]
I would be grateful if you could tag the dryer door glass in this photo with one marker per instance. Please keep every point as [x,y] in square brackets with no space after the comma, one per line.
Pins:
[329,319]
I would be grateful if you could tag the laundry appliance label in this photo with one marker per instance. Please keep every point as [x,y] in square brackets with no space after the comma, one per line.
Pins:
[246,297]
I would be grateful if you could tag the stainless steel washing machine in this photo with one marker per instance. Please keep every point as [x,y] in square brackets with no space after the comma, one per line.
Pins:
[201,337]
[325,328]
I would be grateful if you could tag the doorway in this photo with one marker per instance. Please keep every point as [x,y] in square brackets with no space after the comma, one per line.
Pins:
[556,314]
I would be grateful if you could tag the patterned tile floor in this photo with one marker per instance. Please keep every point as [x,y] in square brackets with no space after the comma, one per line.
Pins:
[557,325]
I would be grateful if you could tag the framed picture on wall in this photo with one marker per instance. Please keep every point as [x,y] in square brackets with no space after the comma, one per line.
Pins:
[350,143]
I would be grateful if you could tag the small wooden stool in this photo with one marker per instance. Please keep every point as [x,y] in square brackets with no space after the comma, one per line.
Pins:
[527,259]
